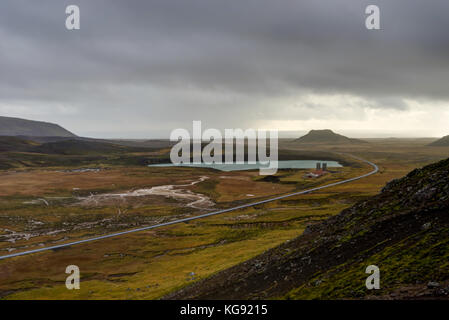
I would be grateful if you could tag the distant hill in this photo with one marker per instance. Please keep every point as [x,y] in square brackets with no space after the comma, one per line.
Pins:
[16,144]
[403,230]
[65,146]
[20,152]
[326,136]
[22,127]
[443,142]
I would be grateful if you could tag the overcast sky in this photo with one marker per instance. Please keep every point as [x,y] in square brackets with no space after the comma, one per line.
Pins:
[139,69]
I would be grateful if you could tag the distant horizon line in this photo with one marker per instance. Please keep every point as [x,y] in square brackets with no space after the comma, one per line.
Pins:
[292,137]
[283,134]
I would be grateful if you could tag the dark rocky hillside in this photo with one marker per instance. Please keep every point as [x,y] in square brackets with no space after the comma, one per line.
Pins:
[404,231]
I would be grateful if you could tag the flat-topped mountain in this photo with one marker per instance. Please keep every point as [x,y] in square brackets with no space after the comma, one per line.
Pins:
[22,127]
[326,136]
[443,142]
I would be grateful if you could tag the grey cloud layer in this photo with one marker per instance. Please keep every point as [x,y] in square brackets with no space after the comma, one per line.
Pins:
[172,60]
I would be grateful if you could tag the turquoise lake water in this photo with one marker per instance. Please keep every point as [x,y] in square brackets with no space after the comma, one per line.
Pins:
[283,164]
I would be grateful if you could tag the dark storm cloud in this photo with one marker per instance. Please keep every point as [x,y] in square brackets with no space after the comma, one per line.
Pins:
[171,61]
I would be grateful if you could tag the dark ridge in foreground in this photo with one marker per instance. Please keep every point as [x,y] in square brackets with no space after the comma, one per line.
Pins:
[404,231]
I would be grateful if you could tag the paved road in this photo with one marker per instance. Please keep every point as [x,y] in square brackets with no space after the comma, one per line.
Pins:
[375,170]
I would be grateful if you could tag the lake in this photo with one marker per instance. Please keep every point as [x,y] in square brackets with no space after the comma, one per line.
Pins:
[282,164]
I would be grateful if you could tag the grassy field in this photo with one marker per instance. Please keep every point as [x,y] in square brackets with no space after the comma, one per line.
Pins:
[149,264]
